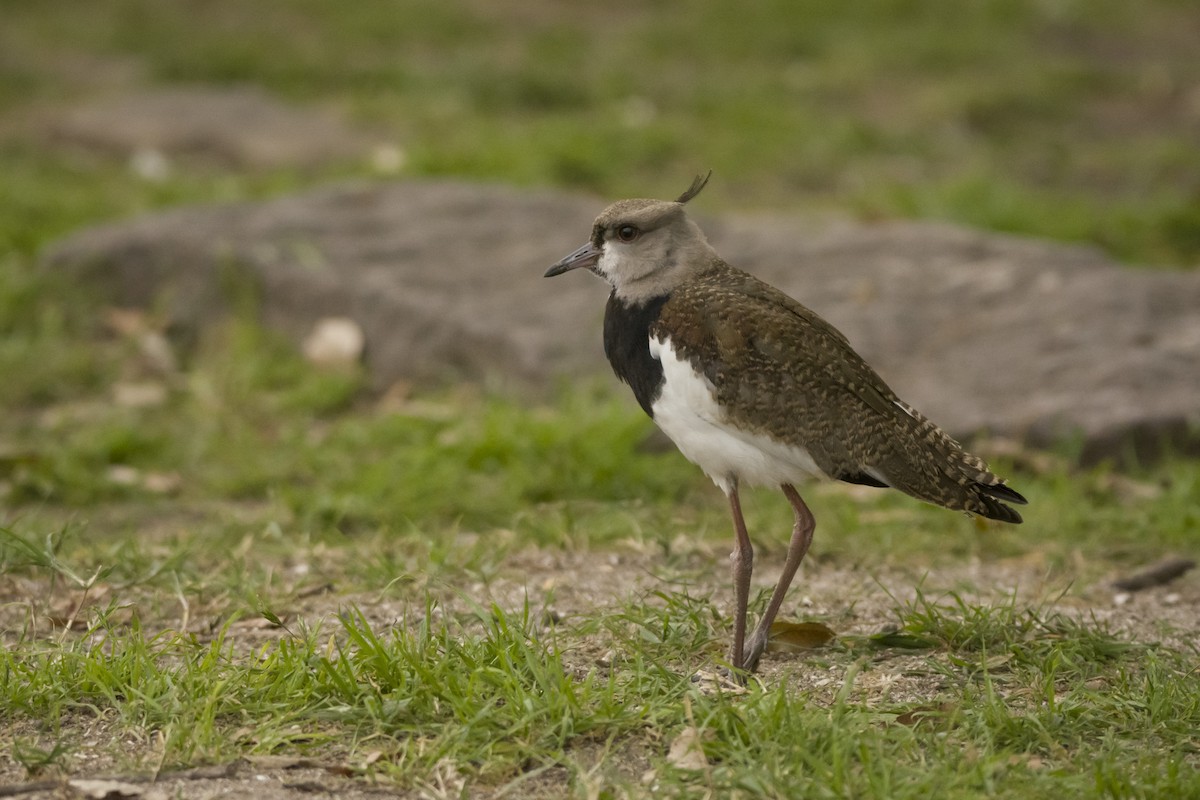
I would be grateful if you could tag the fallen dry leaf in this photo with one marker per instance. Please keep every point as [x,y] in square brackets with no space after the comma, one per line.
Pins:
[687,750]
[798,637]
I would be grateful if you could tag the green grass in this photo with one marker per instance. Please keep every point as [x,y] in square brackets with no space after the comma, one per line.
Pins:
[1068,120]
[1042,705]
[353,584]
[459,588]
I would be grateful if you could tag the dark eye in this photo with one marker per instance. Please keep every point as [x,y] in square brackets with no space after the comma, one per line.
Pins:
[627,233]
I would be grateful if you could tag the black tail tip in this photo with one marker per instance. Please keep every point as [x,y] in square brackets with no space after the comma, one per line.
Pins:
[992,500]
[1003,492]
[1001,512]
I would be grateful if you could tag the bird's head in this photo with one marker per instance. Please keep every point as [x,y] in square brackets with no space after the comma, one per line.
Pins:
[643,248]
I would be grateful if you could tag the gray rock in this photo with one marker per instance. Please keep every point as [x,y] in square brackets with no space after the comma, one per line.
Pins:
[983,332]
[239,127]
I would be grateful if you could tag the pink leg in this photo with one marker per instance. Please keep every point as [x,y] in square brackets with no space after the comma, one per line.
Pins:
[802,536]
[742,559]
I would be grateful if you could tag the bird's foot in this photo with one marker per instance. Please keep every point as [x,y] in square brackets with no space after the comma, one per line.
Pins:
[754,650]
[720,680]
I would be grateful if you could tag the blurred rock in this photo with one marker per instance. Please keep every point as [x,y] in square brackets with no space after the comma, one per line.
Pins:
[239,127]
[1024,339]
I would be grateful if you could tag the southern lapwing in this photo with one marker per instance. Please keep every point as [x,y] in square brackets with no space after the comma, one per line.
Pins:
[757,389]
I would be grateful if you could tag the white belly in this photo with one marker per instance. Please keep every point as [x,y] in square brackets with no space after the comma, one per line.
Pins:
[688,413]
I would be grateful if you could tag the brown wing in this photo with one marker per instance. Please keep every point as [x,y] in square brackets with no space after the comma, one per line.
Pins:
[781,370]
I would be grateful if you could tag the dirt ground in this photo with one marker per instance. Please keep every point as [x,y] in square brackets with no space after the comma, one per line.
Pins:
[580,583]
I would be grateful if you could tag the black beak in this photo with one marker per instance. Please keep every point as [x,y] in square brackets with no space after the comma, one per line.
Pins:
[586,256]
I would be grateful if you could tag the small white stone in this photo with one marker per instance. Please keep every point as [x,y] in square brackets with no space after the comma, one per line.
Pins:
[388,159]
[124,475]
[335,341]
[150,164]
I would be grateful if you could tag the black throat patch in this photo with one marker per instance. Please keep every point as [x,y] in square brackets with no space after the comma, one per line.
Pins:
[627,345]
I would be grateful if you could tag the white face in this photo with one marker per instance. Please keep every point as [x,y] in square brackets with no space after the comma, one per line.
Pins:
[647,248]
[611,258]
[635,268]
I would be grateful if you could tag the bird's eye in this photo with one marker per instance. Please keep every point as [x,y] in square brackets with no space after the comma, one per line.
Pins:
[627,233]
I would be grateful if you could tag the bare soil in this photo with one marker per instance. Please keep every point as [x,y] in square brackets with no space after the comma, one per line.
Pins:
[581,583]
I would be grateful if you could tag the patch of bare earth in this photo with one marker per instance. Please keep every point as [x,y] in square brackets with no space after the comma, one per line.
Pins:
[561,587]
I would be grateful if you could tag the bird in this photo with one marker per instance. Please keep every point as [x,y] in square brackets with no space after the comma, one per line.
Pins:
[757,389]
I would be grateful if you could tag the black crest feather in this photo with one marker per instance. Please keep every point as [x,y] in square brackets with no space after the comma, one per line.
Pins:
[699,183]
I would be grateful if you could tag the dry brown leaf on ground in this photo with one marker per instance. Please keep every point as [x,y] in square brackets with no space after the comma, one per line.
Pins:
[687,750]
[798,637]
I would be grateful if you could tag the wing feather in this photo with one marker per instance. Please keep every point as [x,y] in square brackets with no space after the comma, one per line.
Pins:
[781,370]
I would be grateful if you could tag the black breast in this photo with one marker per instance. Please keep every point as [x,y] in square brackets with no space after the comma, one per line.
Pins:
[627,345]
